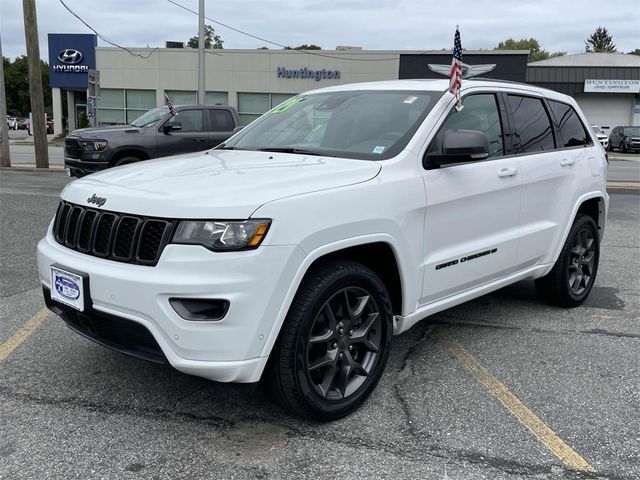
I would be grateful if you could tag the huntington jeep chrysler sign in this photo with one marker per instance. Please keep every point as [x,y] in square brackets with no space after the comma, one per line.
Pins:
[612,86]
[306,73]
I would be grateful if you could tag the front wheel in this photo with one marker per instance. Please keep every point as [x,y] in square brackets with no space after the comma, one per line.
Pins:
[334,343]
[569,282]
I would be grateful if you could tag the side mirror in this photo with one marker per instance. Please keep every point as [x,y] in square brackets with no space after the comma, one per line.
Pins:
[173,127]
[237,129]
[461,146]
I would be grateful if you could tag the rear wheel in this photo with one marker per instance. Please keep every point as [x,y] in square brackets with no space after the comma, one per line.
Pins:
[569,282]
[334,343]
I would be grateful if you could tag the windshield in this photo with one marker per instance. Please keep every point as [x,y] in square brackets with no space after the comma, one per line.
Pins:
[632,131]
[597,130]
[150,118]
[364,124]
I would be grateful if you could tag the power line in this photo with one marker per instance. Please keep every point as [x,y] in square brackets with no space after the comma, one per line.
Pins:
[105,39]
[310,52]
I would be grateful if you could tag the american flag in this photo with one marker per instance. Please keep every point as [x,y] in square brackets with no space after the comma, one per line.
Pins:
[455,77]
[172,109]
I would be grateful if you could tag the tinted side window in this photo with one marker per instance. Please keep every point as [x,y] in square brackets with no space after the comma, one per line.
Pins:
[480,113]
[572,131]
[531,124]
[191,120]
[222,120]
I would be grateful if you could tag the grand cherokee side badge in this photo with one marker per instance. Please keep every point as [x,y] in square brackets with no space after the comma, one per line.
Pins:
[99,201]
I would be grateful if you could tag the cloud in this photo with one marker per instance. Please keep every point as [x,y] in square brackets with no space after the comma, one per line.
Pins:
[372,24]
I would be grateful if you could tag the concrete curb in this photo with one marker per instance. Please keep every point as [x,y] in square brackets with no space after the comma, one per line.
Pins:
[32,168]
[623,187]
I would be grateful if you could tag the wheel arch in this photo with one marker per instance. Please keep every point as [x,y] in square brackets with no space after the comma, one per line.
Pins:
[593,204]
[128,152]
[381,250]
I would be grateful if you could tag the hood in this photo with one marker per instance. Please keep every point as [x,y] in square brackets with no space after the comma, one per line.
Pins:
[217,184]
[103,132]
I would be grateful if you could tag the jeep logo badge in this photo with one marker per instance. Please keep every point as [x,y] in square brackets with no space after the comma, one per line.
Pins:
[99,201]
[70,56]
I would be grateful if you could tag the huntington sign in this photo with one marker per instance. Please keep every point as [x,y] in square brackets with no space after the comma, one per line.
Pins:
[612,86]
[308,74]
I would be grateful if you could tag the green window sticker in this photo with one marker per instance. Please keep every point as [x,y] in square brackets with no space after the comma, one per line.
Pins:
[288,104]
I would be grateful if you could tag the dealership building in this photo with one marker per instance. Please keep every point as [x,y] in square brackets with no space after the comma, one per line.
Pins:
[607,86]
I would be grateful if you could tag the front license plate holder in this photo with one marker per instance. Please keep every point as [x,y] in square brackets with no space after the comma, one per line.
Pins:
[70,287]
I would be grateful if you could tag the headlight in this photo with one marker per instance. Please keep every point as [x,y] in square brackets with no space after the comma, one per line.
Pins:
[97,145]
[222,235]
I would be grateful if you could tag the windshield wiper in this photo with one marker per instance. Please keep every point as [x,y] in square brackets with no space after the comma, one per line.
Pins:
[300,151]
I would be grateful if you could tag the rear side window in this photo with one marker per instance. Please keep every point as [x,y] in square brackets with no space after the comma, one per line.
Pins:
[531,124]
[480,113]
[222,121]
[572,131]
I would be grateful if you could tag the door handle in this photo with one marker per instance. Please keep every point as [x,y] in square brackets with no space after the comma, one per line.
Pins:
[507,172]
[567,162]
[199,139]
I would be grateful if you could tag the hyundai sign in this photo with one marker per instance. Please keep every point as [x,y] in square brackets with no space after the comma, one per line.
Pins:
[71,56]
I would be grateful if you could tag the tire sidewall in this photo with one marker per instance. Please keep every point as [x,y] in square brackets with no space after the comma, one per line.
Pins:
[322,407]
[581,223]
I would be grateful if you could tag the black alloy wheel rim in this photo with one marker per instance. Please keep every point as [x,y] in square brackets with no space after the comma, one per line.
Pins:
[344,343]
[582,261]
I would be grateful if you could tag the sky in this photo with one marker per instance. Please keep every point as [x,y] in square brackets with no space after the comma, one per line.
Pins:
[372,24]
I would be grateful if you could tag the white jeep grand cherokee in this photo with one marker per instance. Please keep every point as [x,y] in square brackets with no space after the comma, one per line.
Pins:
[296,249]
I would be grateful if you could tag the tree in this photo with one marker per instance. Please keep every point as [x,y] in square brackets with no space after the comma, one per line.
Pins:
[600,41]
[536,53]
[83,121]
[634,52]
[211,39]
[16,80]
[307,47]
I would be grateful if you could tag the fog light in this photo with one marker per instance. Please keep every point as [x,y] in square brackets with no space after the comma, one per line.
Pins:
[200,309]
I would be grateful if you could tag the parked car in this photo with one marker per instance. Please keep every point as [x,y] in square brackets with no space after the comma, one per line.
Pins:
[294,250]
[601,136]
[22,123]
[12,123]
[49,126]
[154,134]
[625,139]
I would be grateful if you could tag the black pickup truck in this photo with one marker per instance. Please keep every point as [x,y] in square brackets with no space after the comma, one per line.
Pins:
[154,134]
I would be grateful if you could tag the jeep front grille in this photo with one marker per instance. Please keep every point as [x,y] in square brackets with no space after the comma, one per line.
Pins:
[114,236]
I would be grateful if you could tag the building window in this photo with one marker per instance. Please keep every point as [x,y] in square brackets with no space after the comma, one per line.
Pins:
[119,106]
[216,98]
[182,97]
[188,97]
[252,105]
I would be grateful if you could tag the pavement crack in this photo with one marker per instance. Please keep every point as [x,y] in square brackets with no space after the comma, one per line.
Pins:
[114,409]
[188,395]
[404,373]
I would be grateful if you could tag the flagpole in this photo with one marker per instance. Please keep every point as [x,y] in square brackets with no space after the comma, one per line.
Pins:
[201,77]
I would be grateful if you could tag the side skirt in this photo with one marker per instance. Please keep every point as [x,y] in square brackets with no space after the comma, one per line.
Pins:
[403,323]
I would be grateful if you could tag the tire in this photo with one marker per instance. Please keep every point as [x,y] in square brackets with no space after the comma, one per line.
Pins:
[328,358]
[570,281]
[622,148]
[125,161]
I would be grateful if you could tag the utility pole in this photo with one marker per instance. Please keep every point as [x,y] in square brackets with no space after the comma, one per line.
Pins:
[201,88]
[5,158]
[38,127]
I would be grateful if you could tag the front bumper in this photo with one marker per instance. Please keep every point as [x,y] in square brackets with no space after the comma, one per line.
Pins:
[229,350]
[80,168]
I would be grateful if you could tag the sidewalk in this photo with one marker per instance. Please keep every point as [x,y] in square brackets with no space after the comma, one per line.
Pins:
[52,139]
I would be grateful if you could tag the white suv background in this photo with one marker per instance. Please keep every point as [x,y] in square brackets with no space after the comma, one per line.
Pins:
[294,251]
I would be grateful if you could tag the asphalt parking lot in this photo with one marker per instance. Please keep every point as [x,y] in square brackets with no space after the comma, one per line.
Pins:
[504,387]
